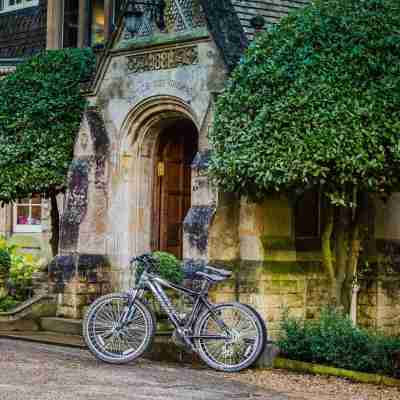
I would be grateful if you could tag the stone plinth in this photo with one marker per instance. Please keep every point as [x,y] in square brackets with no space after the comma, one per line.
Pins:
[78,280]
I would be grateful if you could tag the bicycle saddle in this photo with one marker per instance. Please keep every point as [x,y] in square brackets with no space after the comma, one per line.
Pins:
[214,275]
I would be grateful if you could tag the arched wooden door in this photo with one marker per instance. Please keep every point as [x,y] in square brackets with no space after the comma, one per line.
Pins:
[176,151]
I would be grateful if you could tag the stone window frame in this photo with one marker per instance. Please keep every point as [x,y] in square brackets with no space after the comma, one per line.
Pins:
[27,228]
[6,7]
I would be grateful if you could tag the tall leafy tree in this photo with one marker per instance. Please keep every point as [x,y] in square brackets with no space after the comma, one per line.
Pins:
[315,103]
[41,106]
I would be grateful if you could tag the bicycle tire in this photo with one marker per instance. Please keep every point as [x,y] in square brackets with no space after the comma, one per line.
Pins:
[94,323]
[211,351]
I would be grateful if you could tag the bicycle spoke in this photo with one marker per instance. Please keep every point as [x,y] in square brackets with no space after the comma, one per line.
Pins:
[243,337]
[110,336]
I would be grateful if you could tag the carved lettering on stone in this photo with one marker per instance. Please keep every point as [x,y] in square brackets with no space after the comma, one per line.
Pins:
[165,59]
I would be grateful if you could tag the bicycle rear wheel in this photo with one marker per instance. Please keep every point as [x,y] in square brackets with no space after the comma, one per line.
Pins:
[107,339]
[247,337]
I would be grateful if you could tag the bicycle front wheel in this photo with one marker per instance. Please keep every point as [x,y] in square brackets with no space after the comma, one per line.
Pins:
[243,337]
[107,339]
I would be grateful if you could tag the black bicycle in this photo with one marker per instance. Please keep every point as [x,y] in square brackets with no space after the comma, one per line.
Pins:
[119,327]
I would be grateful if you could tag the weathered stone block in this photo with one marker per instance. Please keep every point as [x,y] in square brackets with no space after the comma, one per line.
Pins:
[72,300]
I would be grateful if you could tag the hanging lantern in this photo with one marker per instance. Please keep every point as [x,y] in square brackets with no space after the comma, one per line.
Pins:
[136,10]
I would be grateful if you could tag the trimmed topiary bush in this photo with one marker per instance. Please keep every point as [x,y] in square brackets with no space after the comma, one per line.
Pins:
[169,267]
[333,340]
[315,104]
[40,113]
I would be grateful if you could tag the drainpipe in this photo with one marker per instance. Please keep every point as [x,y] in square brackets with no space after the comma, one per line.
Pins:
[354,300]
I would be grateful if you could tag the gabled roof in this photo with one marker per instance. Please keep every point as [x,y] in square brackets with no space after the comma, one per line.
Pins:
[226,29]
[228,21]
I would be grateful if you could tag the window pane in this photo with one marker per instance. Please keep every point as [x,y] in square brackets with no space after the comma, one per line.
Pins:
[97,28]
[307,215]
[23,215]
[36,215]
[70,36]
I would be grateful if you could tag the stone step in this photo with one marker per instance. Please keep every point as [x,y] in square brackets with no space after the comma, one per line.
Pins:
[61,325]
[46,338]
[162,349]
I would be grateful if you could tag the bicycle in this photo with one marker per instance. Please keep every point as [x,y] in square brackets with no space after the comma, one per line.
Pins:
[118,328]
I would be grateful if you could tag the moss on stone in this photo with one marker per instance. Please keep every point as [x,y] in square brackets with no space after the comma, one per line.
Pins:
[43,310]
[163,38]
[318,369]
[271,243]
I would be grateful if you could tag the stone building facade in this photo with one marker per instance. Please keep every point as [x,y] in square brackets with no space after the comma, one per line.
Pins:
[138,181]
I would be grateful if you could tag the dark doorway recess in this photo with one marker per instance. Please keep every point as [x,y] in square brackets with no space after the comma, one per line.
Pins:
[176,150]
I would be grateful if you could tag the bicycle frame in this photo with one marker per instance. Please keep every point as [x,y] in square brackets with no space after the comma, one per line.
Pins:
[184,328]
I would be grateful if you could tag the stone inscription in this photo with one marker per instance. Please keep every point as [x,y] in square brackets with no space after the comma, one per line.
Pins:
[165,59]
[147,88]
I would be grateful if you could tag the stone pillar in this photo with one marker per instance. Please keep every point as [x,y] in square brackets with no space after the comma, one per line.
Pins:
[55,15]
[84,23]
[197,223]
[108,19]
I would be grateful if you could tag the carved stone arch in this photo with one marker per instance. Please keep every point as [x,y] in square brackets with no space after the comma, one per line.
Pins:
[136,166]
[150,111]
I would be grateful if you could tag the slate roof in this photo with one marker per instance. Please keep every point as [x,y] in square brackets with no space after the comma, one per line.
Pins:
[271,10]
[225,27]
[23,32]
[229,21]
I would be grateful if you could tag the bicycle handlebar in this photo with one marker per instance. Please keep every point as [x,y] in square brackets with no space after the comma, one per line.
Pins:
[146,259]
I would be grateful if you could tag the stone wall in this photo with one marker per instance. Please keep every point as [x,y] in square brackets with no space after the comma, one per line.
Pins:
[258,242]
[272,287]
[78,280]
[303,289]
[379,305]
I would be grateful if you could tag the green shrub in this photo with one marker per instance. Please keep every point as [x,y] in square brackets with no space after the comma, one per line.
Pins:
[8,303]
[334,340]
[22,268]
[169,267]
[5,261]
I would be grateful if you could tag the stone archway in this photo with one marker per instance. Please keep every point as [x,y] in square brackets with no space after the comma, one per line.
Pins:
[131,219]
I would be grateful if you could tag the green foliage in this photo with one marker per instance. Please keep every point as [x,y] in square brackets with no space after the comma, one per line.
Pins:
[168,268]
[8,303]
[40,112]
[333,340]
[315,102]
[5,261]
[22,268]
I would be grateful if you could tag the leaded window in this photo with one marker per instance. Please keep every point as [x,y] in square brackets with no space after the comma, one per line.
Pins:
[12,5]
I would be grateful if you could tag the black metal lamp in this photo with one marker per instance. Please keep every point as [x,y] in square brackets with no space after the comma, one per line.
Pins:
[136,10]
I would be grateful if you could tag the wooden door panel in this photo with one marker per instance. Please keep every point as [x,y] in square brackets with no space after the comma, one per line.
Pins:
[177,150]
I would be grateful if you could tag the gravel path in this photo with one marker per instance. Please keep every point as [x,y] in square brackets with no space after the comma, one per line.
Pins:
[31,371]
[314,387]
